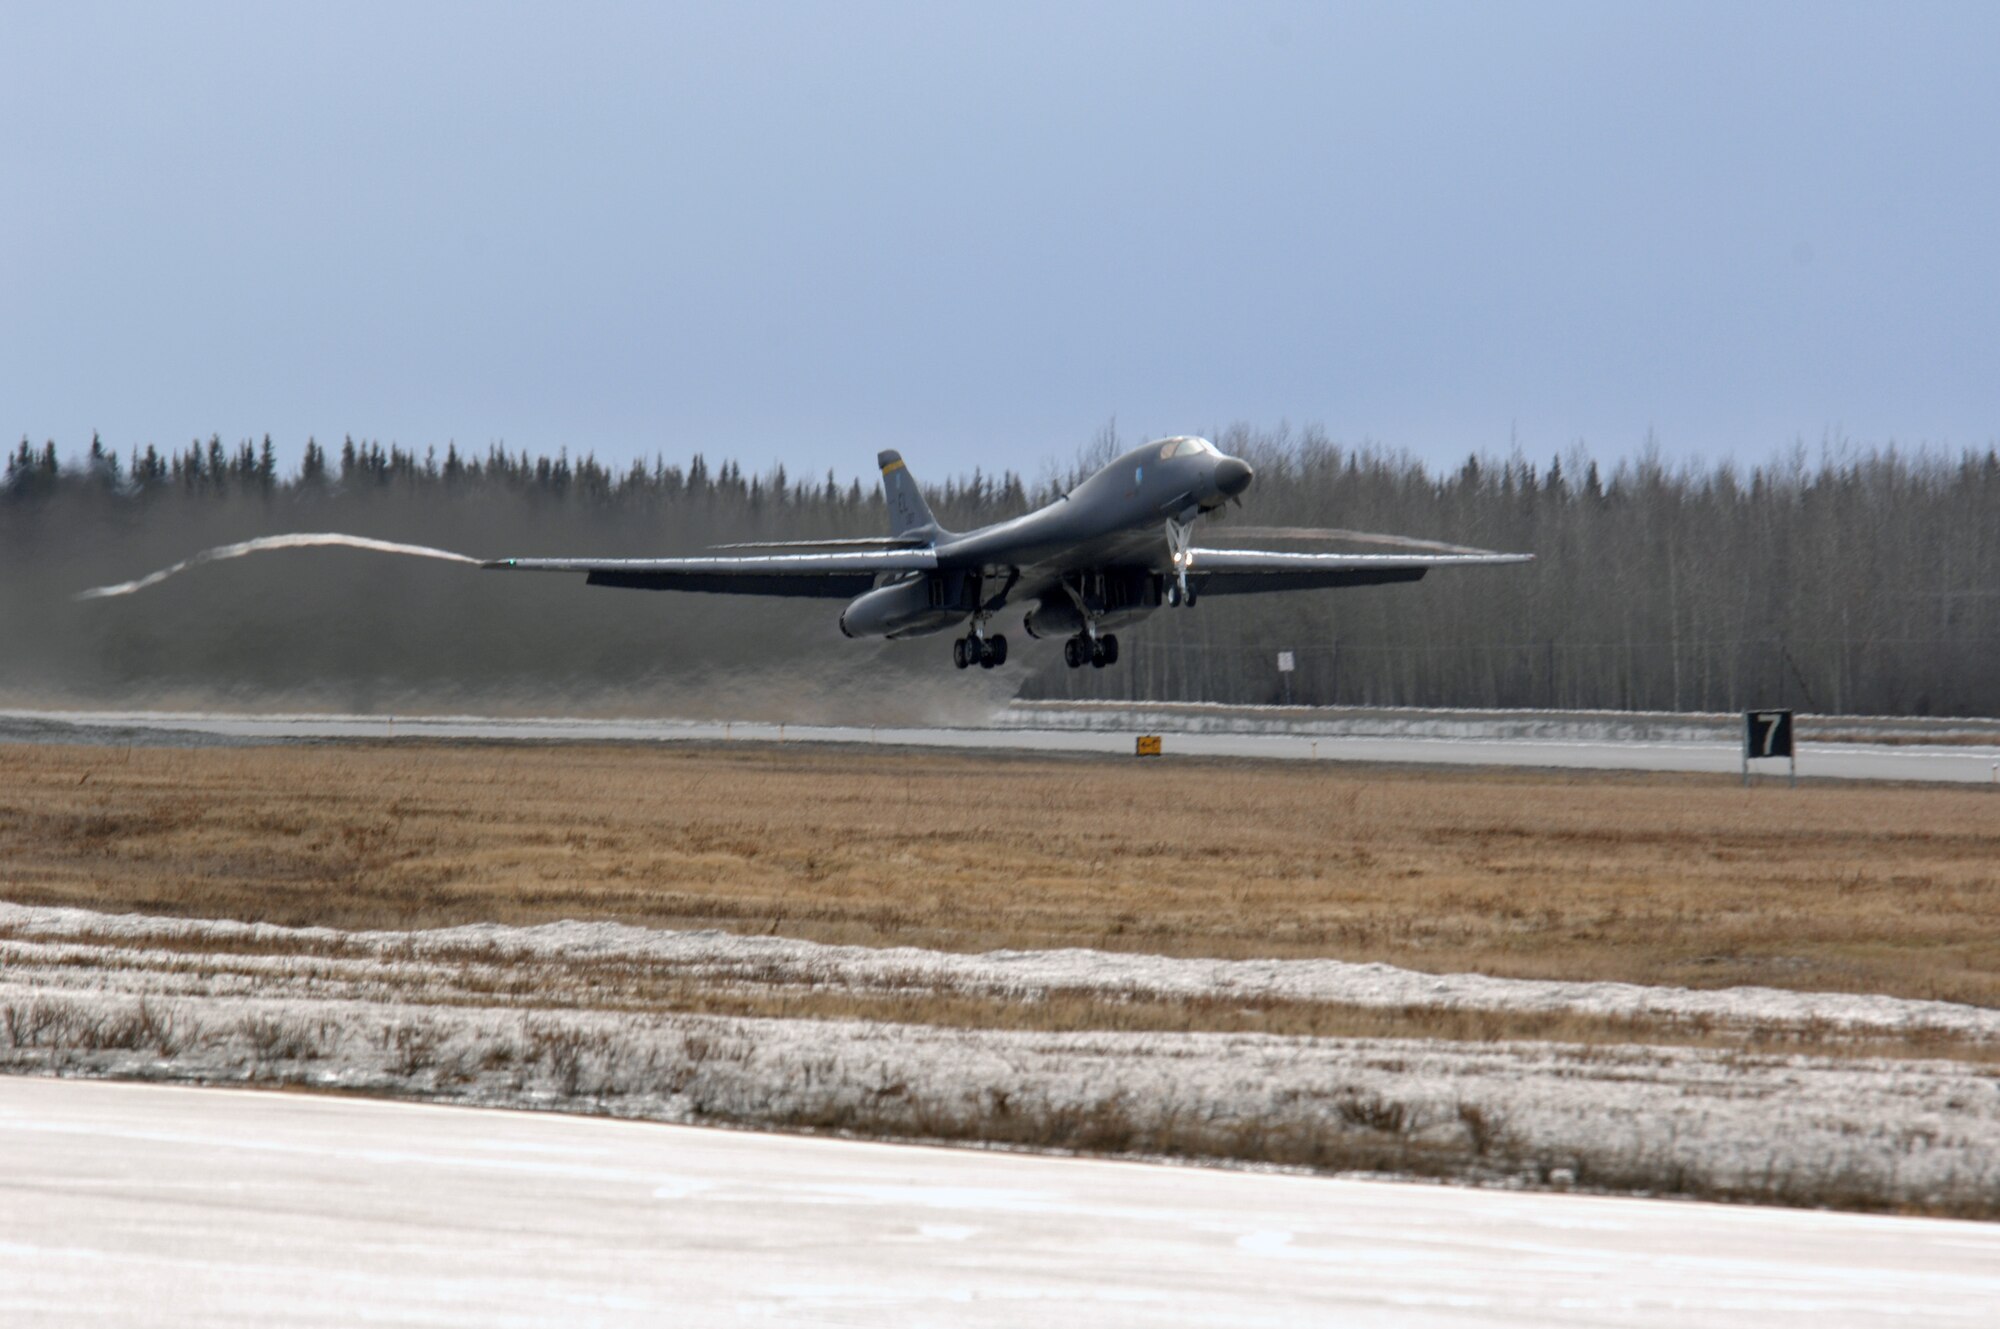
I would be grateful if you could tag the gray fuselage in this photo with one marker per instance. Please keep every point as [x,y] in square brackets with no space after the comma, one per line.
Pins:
[1103,543]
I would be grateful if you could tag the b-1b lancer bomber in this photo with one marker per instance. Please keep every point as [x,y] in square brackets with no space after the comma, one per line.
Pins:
[1111,551]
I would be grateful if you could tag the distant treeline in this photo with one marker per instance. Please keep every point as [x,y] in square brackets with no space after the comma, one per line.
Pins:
[212,471]
[1859,580]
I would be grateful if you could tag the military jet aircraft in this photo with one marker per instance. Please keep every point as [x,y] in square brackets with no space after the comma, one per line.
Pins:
[1111,551]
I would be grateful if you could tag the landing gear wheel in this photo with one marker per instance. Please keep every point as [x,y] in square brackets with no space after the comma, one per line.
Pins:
[996,649]
[987,656]
[1173,595]
[958,653]
[1188,599]
[1108,646]
[1097,660]
[1073,655]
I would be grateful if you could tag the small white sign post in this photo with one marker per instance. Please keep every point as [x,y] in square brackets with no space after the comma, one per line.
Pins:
[1285,665]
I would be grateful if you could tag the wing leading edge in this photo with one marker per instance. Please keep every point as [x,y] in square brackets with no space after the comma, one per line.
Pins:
[843,575]
[1242,571]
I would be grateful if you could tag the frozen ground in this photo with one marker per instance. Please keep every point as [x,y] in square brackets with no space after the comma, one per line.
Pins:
[143,1204]
[547,1017]
[32,934]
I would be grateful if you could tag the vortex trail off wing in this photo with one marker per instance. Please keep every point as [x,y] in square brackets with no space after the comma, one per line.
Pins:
[842,574]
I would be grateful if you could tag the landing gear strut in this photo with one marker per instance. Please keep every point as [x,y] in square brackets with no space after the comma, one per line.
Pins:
[1088,647]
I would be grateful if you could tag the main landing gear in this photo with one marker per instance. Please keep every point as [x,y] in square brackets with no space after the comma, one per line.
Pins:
[973,649]
[1096,652]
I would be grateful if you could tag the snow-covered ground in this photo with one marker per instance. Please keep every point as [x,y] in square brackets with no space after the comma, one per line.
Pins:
[499,1016]
[771,961]
[172,1206]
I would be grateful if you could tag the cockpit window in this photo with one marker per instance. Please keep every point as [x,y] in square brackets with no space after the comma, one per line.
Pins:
[1184,447]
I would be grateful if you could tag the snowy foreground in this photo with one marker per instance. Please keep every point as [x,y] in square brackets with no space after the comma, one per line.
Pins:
[143,1204]
[570,1016]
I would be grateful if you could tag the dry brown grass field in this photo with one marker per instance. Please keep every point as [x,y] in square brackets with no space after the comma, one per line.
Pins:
[1652,879]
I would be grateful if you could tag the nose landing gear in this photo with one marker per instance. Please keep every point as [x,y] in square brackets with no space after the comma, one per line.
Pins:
[1180,552]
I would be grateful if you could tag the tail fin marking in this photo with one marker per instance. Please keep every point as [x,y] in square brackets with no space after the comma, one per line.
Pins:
[907,509]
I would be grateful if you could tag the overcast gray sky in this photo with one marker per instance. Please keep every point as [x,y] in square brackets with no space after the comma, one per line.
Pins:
[802,232]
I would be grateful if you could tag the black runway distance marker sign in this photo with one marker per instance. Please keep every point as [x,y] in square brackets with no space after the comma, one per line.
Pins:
[1768,734]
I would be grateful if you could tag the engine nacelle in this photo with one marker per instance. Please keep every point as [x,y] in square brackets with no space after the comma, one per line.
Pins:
[1053,618]
[915,608]
[1117,597]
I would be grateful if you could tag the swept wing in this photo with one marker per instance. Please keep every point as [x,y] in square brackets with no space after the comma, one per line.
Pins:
[1239,571]
[854,542]
[843,573]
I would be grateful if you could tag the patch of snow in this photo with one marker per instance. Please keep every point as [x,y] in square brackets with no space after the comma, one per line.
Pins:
[726,957]
[473,1015]
[1619,1117]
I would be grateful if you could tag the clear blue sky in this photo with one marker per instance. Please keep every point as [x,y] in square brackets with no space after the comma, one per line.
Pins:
[802,232]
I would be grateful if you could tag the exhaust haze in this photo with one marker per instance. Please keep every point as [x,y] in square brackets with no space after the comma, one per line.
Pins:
[303,628]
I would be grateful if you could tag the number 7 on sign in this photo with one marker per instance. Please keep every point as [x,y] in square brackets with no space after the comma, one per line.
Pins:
[1767,734]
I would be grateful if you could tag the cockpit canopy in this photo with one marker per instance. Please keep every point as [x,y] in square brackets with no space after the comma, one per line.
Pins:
[1186,446]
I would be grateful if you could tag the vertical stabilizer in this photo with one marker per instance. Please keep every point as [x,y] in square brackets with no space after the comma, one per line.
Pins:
[907,509]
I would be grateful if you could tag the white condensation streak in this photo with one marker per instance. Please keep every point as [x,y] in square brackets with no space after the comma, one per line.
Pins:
[302,541]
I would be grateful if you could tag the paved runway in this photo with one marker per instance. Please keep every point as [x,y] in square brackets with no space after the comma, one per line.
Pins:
[1857,761]
[137,1204]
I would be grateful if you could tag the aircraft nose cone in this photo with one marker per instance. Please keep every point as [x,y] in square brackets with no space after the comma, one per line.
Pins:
[1233,476]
